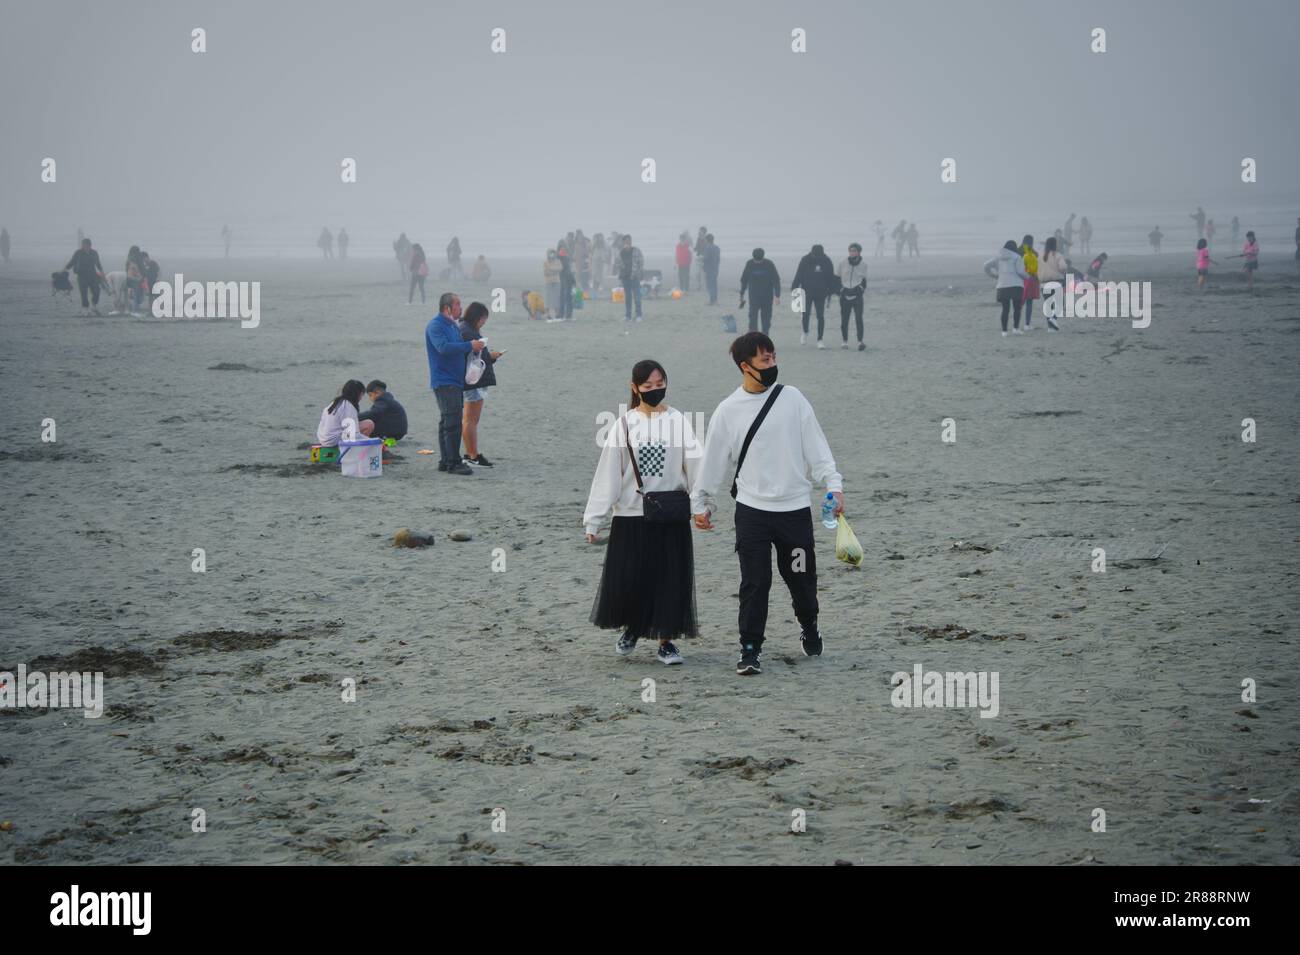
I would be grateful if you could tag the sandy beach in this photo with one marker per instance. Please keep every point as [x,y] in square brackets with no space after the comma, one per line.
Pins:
[479,690]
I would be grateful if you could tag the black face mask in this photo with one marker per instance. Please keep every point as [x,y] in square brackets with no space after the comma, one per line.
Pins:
[654,397]
[766,376]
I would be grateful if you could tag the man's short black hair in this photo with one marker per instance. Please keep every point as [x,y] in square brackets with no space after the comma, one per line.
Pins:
[444,302]
[376,385]
[744,348]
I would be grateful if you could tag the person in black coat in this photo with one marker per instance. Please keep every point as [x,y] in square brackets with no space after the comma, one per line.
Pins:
[761,280]
[816,275]
[86,266]
[385,411]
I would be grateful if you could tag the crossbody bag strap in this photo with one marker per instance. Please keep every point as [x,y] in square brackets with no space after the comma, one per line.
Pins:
[632,455]
[753,429]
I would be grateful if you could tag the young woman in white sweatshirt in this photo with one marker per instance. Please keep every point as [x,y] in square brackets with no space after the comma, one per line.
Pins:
[647,587]
[338,412]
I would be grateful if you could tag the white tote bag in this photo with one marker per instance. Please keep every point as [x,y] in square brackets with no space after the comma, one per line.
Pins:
[475,366]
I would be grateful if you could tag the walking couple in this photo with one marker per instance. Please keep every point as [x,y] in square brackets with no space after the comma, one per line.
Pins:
[656,480]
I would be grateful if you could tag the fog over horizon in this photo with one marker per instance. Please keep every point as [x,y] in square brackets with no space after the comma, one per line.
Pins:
[450,138]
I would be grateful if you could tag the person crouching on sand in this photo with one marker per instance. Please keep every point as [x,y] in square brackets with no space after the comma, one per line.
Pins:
[647,467]
[771,433]
[386,414]
[334,418]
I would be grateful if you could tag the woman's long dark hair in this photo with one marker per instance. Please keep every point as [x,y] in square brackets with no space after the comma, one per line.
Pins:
[473,314]
[351,391]
[1049,245]
[641,373]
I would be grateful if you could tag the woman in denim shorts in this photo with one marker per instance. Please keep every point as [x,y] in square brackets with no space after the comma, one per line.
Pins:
[471,328]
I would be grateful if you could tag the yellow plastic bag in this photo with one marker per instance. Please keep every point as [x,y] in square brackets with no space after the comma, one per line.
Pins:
[847,547]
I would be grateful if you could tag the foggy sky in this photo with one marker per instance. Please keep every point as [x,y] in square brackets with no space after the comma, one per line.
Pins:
[555,129]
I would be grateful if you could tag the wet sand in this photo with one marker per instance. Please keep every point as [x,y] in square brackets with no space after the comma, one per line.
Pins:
[478,690]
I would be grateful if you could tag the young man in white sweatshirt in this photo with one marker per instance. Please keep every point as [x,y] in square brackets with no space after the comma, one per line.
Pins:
[772,490]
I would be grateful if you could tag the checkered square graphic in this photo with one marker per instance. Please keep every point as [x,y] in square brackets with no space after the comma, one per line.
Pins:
[650,458]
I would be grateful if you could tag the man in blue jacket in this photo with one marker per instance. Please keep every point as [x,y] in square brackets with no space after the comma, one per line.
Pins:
[447,351]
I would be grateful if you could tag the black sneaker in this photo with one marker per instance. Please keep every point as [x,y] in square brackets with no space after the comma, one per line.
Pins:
[811,643]
[481,461]
[669,656]
[626,644]
[460,467]
[749,662]
[442,465]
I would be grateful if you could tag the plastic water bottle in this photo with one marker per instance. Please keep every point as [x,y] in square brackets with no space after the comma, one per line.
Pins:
[828,512]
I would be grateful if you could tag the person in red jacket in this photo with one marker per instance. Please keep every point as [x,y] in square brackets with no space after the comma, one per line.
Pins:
[684,262]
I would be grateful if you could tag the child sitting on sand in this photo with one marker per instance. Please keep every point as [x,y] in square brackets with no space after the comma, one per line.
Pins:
[1094,268]
[341,410]
[1203,262]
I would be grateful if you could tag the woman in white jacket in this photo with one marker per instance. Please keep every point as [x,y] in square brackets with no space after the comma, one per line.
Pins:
[647,587]
[1008,267]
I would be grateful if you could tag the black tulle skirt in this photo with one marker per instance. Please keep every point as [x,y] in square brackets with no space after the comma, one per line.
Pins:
[648,584]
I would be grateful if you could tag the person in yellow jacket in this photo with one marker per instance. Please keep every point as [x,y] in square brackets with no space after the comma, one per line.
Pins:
[535,304]
[1031,283]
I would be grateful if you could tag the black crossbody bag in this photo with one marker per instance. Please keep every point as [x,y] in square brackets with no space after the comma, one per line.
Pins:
[753,429]
[658,507]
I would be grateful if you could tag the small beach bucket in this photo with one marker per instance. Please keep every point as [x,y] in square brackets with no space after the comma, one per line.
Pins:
[618,295]
[363,459]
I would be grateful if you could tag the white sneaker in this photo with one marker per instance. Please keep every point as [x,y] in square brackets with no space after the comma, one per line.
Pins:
[1017,332]
[803,339]
[820,343]
[1004,334]
[845,346]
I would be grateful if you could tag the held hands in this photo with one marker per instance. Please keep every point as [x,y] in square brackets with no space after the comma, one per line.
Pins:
[591,538]
[702,522]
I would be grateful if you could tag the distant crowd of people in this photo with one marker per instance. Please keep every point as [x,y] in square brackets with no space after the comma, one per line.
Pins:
[131,287]
[413,264]
[326,241]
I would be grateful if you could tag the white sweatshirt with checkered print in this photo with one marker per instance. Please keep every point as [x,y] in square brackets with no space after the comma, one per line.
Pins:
[667,453]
